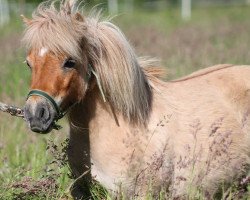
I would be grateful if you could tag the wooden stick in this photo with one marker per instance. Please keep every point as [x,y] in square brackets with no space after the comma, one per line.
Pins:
[13,110]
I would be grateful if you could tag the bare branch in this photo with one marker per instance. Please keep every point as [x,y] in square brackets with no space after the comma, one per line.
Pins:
[13,110]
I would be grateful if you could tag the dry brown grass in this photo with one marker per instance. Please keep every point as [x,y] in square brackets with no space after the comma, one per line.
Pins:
[194,46]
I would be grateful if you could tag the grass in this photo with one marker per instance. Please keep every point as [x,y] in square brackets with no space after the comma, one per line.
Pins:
[32,166]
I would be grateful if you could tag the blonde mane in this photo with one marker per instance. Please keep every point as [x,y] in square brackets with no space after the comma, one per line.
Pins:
[63,29]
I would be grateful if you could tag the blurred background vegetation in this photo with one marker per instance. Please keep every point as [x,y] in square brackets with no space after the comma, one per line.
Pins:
[215,31]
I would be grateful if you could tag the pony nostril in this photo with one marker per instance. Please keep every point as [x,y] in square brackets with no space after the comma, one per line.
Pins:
[42,113]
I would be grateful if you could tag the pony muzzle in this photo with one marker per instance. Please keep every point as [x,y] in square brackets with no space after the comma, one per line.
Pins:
[40,114]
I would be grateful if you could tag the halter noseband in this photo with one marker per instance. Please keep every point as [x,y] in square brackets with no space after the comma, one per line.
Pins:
[45,95]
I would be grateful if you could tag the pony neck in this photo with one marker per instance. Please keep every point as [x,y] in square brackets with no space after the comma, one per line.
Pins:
[91,108]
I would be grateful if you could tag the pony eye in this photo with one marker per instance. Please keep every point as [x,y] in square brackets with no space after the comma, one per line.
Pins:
[69,63]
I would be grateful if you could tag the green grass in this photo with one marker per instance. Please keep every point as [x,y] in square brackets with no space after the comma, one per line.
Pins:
[23,155]
[212,36]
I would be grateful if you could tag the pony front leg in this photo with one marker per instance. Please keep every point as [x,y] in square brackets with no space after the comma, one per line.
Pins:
[79,162]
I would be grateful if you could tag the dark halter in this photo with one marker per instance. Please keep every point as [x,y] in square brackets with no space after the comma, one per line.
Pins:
[45,95]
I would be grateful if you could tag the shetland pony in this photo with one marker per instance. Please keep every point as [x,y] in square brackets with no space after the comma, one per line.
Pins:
[130,131]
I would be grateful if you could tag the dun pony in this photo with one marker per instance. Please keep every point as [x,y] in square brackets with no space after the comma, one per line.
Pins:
[129,130]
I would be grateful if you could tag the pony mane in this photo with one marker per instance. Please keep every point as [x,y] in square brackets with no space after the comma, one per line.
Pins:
[125,79]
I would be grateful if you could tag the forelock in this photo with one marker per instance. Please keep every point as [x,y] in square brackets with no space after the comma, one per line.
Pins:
[56,27]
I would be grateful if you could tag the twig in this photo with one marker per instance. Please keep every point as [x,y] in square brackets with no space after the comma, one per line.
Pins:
[13,110]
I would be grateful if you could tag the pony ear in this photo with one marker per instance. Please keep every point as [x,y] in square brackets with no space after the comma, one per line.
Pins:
[26,20]
[79,17]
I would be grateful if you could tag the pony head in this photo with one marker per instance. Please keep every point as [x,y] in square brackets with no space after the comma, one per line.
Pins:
[68,54]
[57,62]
